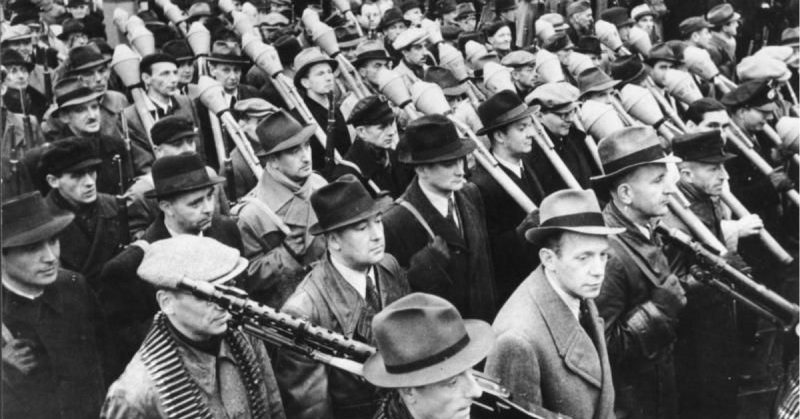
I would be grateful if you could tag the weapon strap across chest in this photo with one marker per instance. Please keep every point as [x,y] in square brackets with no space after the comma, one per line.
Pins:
[413,210]
[178,393]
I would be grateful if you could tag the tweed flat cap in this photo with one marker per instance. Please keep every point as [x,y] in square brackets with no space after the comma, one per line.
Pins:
[16,33]
[693,24]
[254,107]
[519,58]
[555,96]
[410,36]
[166,262]
[722,14]
[641,11]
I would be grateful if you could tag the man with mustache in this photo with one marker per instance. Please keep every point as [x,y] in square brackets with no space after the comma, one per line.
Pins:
[641,297]
[93,238]
[352,283]
[278,261]
[55,344]
[221,372]
[159,74]
[373,155]
[507,122]
[185,195]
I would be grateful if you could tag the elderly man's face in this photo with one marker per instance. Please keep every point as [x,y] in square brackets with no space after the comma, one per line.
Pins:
[17,77]
[526,76]
[228,75]
[33,266]
[450,398]
[96,78]
[369,71]
[709,178]
[649,190]
[360,245]
[192,211]
[583,20]
[83,119]
[198,319]
[501,40]
[558,123]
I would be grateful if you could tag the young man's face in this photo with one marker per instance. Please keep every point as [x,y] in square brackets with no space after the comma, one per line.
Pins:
[369,71]
[380,135]
[17,77]
[731,28]
[163,79]
[83,119]
[294,163]
[444,177]
[360,245]
[659,72]
[192,211]
[33,266]
[516,138]
[646,23]
[228,75]
[79,12]
[526,76]
[319,79]
[185,72]
[450,398]
[415,54]
[78,187]
[718,120]
[702,38]
[578,265]
[96,78]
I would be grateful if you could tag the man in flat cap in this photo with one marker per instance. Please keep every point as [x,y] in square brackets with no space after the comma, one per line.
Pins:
[57,354]
[581,20]
[558,103]
[708,355]
[411,45]
[373,155]
[221,372]
[439,223]
[171,135]
[409,334]
[725,28]
[278,258]
[185,195]
[640,298]
[159,74]
[695,30]
[523,71]
[507,122]
[551,348]
[95,235]
[343,291]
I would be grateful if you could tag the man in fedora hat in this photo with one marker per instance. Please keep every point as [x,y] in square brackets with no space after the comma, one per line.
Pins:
[315,79]
[278,261]
[641,297]
[411,45]
[550,348]
[56,350]
[79,115]
[171,135]
[439,223]
[595,84]
[95,236]
[222,373]
[410,335]
[371,57]
[558,104]
[708,356]
[343,292]
[185,194]
[466,16]
[73,34]
[507,122]
[391,26]
[159,75]
[373,155]
[184,58]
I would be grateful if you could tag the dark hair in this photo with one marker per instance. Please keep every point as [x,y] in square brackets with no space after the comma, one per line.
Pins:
[553,242]
[224,34]
[700,107]
[491,134]
[492,27]
[146,65]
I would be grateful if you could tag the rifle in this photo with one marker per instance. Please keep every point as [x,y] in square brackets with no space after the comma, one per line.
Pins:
[718,273]
[329,146]
[122,215]
[331,348]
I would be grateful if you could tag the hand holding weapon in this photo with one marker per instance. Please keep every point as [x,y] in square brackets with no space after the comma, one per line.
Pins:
[737,285]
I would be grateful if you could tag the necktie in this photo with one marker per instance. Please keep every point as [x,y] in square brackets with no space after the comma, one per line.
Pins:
[585,319]
[451,215]
[372,297]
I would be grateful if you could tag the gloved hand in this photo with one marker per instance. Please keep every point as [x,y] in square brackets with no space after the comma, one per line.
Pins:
[780,181]
[530,221]
[434,252]
[18,355]
[669,297]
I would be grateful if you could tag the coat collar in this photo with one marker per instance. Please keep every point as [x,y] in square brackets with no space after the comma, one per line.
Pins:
[574,346]
[439,224]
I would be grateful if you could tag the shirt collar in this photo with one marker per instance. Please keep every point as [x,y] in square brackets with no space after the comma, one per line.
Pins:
[173,233]
[437,200]
[152,103]
[9,286]
[356,279]
[573,304]
[514,168]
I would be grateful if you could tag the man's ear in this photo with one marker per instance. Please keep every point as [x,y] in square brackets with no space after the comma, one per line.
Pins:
[165,300]
[305,83]
[52,181]
[146,79]
[546,257]
[625,193]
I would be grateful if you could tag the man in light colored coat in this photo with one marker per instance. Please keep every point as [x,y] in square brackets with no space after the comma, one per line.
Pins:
[551,347]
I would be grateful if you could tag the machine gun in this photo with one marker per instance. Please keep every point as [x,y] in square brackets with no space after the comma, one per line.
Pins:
[331,348]
[718,273]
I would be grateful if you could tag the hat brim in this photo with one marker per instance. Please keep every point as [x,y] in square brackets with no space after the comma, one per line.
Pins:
[359,60]
[600,181]
[79,101]
[457,90]
[89,65]
[294,141]
[233,61]
[351,43]
[39,233]
[301,72]
[601,87]
[212,181]
[463,150]
[18,38]
[716,159]
[240,266]
[381,205]
[767,107]
[481,341]
[383,26]
[27,64]
[507,120]
[83,165]
[537,235]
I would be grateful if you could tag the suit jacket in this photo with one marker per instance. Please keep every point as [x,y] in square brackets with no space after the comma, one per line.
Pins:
[92,238]
[466,278]
[546,358]
[311,390]
[514,258]
[143,155]
[128,302]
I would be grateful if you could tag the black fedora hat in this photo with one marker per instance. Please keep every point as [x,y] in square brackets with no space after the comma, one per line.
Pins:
[589,45]
[223,53]
[627,149]
[11,57]
[174,175]
[280,131]
[71,26]
[345,202]
[27,219]
[704,147]
[178,49]
[445,79]
[502,109]
[172,128]
[572,210]
[84,58]
[628,69]
[432,139]
[595,80]
[390,17]
[71,91]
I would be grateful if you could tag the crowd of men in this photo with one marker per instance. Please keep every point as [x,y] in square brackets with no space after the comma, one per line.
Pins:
[594,204]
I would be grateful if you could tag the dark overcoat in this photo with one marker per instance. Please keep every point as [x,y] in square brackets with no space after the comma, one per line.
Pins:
[466,279]
[367,162]
[573,152]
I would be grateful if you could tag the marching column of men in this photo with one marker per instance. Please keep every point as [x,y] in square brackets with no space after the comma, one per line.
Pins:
[380,172]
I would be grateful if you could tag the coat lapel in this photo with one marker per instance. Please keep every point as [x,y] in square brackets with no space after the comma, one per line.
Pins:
[437,222]
[574,346]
